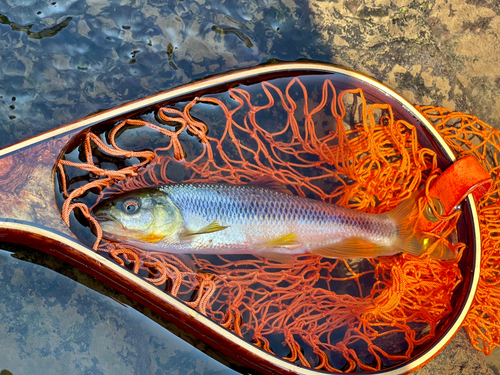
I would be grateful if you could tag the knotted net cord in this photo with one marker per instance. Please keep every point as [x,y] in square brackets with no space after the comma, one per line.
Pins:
[335,315]
[467,135]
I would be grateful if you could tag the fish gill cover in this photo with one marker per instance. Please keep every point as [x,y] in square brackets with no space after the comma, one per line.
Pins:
[321,142]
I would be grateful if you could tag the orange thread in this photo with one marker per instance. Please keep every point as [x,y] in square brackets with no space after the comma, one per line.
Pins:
[467,135]
[376,164]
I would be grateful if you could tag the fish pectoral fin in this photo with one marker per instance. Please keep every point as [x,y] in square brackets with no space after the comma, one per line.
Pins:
[277,257]
[210,228]
[354,248]
[270,183]
[289,240]
[188,261]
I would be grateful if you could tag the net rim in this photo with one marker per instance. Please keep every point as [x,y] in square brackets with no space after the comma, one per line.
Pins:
[321,68]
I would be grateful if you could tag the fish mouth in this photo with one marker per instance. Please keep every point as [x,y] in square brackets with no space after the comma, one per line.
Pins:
[102,215]
[104,218]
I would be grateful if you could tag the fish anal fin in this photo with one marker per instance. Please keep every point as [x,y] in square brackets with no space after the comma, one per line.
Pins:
[289,240]
[270,183]
[354,248]
[210,228]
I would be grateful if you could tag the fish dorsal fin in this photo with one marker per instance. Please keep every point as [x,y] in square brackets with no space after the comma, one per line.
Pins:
[210,228]
[354,248]
[270,183]
[289,240]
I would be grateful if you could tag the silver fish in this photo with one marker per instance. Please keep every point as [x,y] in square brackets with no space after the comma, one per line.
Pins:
[207,218]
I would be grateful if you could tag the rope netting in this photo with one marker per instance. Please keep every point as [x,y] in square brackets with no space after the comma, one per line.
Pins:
[333,315]
[467,135]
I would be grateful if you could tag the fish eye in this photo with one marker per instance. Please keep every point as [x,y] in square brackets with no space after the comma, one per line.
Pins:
[130,206]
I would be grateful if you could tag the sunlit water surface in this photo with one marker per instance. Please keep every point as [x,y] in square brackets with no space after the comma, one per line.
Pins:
[52,324]
[62,60]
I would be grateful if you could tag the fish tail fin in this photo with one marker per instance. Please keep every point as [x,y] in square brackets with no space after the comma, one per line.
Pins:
[408,240]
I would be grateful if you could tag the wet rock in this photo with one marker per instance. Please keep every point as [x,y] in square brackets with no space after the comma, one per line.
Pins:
[459,357]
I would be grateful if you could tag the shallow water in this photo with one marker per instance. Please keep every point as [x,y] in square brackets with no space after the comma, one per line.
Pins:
[52,324]
[63,60]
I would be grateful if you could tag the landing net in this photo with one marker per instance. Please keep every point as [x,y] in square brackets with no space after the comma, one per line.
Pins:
[339,316]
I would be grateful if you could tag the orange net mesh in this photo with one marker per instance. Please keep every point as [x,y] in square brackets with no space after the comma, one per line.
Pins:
[467,135]
[333,315]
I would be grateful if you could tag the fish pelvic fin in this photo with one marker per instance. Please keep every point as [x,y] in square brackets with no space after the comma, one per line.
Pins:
[410,241]
[289,240]
[210,228]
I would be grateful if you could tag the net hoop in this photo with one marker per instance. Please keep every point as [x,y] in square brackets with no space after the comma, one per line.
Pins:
[458,320]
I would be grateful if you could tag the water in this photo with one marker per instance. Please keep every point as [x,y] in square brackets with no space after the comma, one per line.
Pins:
[52,324]
[62,60]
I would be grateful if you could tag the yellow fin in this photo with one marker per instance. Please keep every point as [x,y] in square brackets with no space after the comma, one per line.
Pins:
[359,248]
[210,228]
[406,241]
[270,183]
[440,251]
[290,239]
[354,248]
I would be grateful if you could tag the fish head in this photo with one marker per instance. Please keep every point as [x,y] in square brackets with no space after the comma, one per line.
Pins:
[144,215]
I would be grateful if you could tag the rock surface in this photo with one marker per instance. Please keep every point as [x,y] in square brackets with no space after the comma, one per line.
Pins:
[459,357]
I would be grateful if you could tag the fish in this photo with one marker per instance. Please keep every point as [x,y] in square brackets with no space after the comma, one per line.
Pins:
[262,218]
